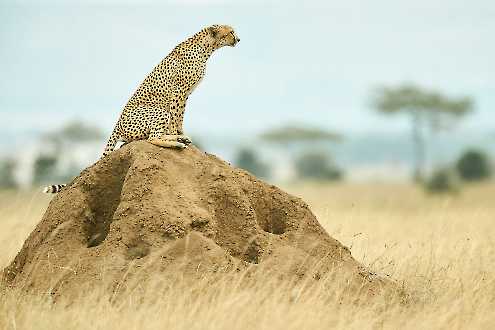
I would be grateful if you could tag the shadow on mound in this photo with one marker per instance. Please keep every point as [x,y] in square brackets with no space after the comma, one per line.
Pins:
[145,211]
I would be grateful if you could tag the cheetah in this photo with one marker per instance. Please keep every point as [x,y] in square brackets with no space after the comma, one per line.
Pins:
[155,112]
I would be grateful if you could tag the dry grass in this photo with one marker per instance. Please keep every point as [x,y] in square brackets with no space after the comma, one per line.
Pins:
[441,249]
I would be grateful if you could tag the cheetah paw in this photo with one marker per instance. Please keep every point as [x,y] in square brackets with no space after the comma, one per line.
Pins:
[180,145]
[184,139]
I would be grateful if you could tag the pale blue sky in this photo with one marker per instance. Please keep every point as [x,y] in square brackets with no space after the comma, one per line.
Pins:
[314,62]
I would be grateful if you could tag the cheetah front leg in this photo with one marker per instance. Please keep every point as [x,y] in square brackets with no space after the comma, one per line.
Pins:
[159,137]
[181,137]
[178,108]
[177,138]
[167,144]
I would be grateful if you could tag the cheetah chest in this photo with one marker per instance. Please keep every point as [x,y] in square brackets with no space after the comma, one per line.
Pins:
[194,85]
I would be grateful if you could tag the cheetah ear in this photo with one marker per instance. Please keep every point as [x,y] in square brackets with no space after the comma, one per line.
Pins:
[213,30]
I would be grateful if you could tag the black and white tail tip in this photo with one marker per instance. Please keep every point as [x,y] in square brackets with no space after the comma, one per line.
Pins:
[53,189]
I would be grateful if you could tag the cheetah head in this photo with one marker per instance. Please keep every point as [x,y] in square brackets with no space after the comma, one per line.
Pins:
[223,35]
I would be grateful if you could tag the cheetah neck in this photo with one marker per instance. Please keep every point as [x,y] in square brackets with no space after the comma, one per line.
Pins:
[205,45]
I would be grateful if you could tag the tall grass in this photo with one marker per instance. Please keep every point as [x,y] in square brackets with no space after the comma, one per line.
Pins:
[441,249]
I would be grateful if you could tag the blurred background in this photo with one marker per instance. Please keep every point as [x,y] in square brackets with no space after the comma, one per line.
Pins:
[360,91]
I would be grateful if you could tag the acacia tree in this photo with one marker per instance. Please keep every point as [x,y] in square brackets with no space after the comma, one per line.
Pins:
[424,108]
[248,160]
[294,134]
[62,142]
[73,132]
[313,161]
[7,169]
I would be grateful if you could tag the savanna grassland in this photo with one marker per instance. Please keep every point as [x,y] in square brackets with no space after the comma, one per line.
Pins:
[439,249]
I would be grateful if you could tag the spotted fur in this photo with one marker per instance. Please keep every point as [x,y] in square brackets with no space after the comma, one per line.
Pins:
[155,112]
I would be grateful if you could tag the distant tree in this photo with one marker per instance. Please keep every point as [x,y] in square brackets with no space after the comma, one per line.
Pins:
[425,108]
[44,169]
[75,131]
[248,160]
[69,173]
[443,180]
[7,167]
[474,165]
[317,165]
[292,133]
[61,142]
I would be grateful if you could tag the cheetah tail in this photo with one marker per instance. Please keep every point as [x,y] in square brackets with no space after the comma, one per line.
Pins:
[54,188]
[112,141]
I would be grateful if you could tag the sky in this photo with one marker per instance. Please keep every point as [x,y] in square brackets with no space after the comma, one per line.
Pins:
[309,62]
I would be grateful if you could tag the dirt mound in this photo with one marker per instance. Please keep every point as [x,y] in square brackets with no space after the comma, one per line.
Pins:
[146,211]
